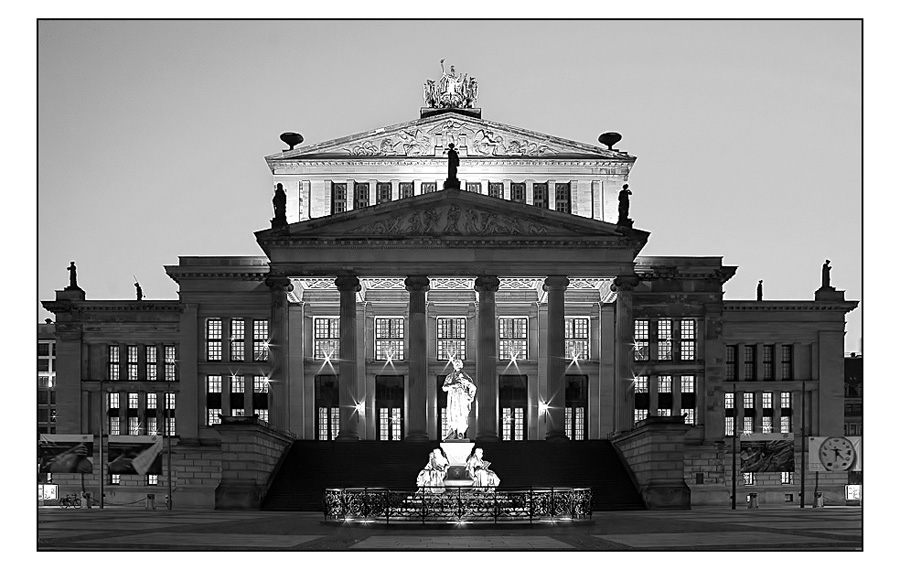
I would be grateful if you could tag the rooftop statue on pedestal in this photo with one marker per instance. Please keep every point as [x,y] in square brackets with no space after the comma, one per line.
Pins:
[279,202]
[73,276]
[624,204]
[452,166]
[826,274]
[452,90]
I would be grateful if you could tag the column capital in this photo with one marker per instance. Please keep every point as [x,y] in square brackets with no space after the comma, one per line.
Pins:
[279,283]
[417,283]
[556,283]
[347,283]
[487,283]
[625,283]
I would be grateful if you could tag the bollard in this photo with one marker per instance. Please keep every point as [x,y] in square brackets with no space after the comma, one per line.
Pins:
[753,503]
[86,500]
[150,503]
[819,500]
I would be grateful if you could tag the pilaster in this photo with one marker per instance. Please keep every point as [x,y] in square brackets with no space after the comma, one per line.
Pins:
[486,395]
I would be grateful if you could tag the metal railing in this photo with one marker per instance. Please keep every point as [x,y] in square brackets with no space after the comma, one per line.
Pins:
[458,504]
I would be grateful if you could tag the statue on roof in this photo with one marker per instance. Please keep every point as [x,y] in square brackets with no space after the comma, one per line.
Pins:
[624,204]
[279,202]
[73,276]
[826,274]
[452,167]
[452,90]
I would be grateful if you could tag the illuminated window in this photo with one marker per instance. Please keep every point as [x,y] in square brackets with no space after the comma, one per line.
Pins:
[748,425]
[236,395]
[406,190]
[664,339]
[767,424]
[213,399]
[151,425]
[170,401]
[115,479]
[236,340]
[338,197]
[748,400]
[663,412]
[132,355]
[214,340]
[134,426]
[114,425]
[749,478]
[517,192]
[113,400]
[263,414]
[787,477]
[688,339]
[687,384]
[327,338]
[132,400]
[360,195]
[260,385]
[575,423]
[495,189]
[688,416]
[563,197]
[113,370]
[152,365]
[260,397]
[729,426]
[640,415]
[665,384]
[541,195]
[260,340]
[578,339]
[730,362]
[641,385]
[170,426]
[213,416]
[451,338]
[169,351]
[512,423]
[642,339]
[152,479]
[767,399]
[729,400]
[513,338]
[382,192]
[473,187]
[787,362]
[151,401]
[785,424]
[327,409]
[785,400]
[389,333]
[768,372]
[428,187]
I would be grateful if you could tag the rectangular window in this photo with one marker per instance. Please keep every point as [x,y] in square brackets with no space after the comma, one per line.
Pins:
[748,400]
[260,385]
[517,192]
[263,414]
[114,425]
[787,362]
[642,339]
[260,340]
[406,190]
[214,340]
[729,400]
[564,197]
[768,372]
[750,362]
[151,425]
[213,416]
[785,424]
[169,353]
[134,426]
[578,346]
[664,339]
[236,338]
[749,478]
[113,400]
[132,400]
[787,477]
[748,425]
[687,384]
[473,187]
[132,355]
[731,362]
[640,415]
[170,426]
[767,400]
[663,412]
[513,338]
[338,197]
[389,338]
[360,195]
[152,479]
[688,416]
[151,401]
[428,187]
[767,424]
[541,195]
[115,479]
[665,384]
[113,372]
[495,189]
[382,192]
[729,426]
[785,400]
[451,338]
[688,339]
[575,423]
[151,364]
[641,384]
[213,385]
[327,338]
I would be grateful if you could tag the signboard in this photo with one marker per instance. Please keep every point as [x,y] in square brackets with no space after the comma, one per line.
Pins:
[47,492]
[767,452]
[830,454]
[135,455]
[62,453]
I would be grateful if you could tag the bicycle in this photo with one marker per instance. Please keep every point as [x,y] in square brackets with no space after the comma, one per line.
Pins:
[70,501]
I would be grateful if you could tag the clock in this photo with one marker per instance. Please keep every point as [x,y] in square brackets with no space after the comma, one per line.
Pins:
[837,454]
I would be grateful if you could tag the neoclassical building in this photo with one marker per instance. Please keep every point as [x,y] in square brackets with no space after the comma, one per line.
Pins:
[379,267]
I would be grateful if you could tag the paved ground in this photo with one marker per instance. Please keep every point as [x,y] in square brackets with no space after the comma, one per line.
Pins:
[709,529]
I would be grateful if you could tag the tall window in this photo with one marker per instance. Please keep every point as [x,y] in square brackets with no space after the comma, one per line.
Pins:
[112,403]
[513,338]
[327,407]
[382,192]
[451,338]
[473,187]
[236,397]
[750,362]
[360,195]
[688,339]
[517,192]
[150,358]
[787,362]
[786,412]
[787,477]
[261,397]
[730,362]
[578,346]
[495,189]
[236,338]
[338,197]
[664,339]
[213,399]
[113,370]
[664,396]
[768,371]
[389,338]
[132,352]
[260,340]
[576,405]
[170,415]
[513,401]
[688,400]
[541,195]
[169,354]
[327,337]
[564,197]
[642,339]
[406,190]
[749,478]
[729,425]
[428,187]
[729,413]
[641,398]
[214,340]
[767,412]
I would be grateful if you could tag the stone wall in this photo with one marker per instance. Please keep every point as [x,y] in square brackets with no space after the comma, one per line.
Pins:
[654,450]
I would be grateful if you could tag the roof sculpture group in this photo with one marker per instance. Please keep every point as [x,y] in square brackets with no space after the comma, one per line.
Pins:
[451,90]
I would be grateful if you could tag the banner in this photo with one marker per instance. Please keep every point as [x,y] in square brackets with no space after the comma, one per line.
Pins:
[829,454]
[767,452]
[59,453]
[135,455]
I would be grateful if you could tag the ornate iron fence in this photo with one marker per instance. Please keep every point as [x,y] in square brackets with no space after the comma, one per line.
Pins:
[457,504]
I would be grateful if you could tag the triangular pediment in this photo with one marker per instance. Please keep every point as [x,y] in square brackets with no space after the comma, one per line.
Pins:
[452,213]
[430,136]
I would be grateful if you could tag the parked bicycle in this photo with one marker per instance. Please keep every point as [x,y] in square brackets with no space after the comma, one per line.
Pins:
[70,501]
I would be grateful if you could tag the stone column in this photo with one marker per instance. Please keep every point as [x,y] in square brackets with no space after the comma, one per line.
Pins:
[555,286]
[280,286]
[417,285]
[486,364]
[348,285]
[624,286]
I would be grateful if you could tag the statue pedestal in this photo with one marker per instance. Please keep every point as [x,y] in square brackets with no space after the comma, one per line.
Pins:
[457,453]
[829,294]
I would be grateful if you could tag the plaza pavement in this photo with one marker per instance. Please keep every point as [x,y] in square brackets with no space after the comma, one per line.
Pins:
[703,529]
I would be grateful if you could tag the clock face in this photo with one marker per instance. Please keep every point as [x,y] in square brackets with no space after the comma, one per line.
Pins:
[837,454]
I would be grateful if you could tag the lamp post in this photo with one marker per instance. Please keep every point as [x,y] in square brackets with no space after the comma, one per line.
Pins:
[102,412]
[802,443]
[168,434]
[734,449]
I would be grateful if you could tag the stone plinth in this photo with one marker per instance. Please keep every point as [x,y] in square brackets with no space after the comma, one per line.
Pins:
[457,453]
[829,294]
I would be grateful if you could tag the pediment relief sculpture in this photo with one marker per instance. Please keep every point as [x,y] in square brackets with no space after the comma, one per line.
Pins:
[452,220]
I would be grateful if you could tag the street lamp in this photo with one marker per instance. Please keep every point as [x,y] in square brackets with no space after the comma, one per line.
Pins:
[802,443]
[734,449]
[102,412]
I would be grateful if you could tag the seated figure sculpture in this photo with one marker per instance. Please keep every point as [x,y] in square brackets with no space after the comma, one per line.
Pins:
[431,477]
[477,469]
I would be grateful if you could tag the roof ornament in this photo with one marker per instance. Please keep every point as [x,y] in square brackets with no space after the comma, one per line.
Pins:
[451,91]
[291,139]
[609,139]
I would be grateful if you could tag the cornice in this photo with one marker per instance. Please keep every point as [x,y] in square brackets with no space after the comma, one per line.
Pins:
[617,165]
[770,306]
[515,242]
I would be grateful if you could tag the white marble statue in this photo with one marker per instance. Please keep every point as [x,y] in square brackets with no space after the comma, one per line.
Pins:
[431,477]
[477,468]
[460,392]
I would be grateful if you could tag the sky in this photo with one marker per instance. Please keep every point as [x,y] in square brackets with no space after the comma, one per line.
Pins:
[151,135]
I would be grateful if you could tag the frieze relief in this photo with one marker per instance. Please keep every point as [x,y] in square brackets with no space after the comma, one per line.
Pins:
[452,220]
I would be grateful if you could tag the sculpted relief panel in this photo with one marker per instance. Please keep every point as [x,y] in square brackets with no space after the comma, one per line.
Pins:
[452,220]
